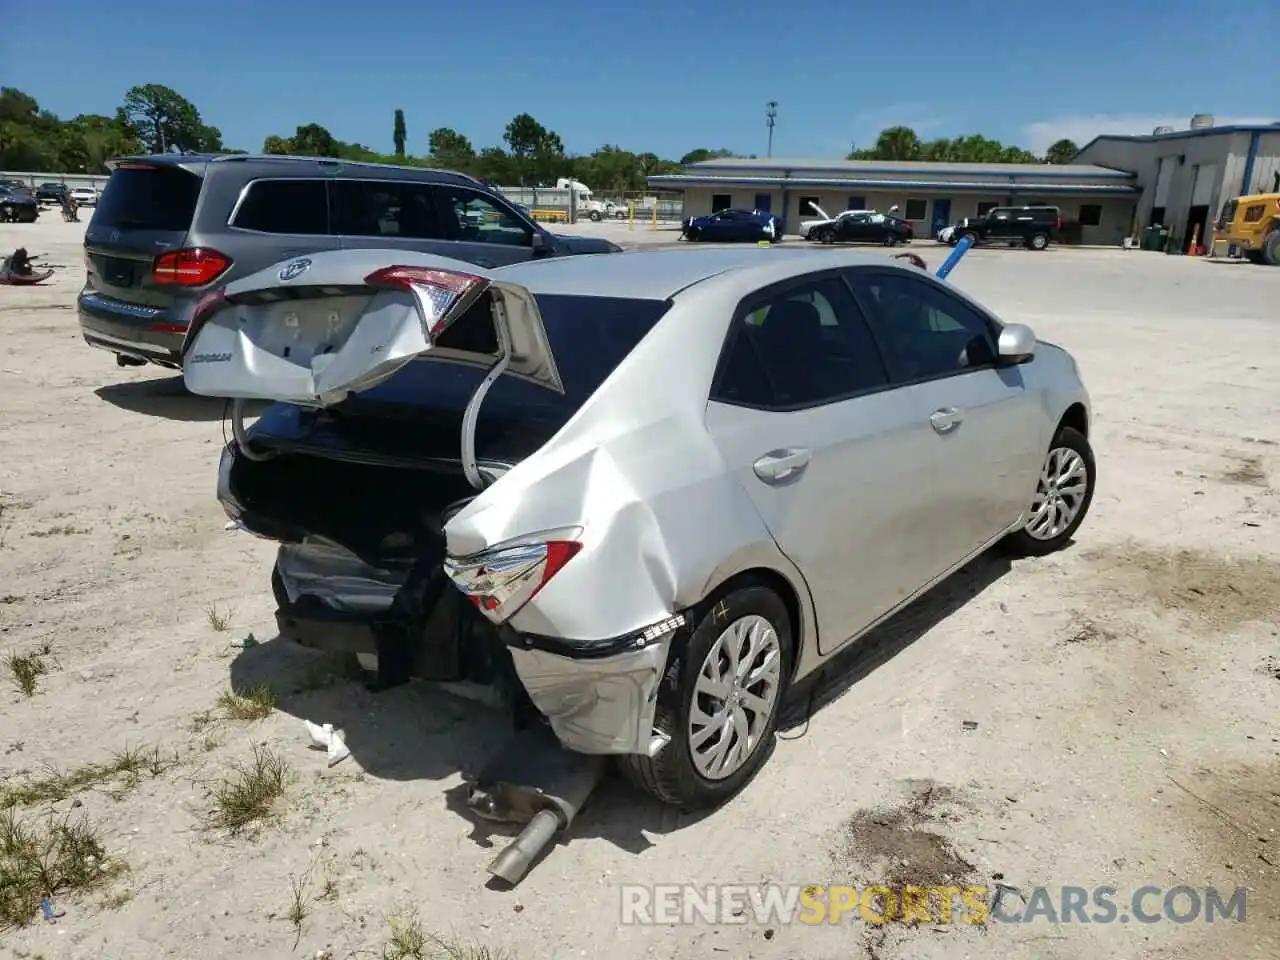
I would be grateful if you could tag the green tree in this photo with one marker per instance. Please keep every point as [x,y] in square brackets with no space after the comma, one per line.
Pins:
[536,151]
[451,149]
[1062,151]
[702,153]
[279,146]
[897,143]
[161,119]
[313,140]
[398,135]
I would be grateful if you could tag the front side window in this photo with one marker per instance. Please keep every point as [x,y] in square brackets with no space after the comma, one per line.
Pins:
[804,345]
[374,208]
[925,331]
[470,216]
[291,207]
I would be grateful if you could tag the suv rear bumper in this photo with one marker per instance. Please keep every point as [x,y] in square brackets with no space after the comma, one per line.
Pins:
[129,329]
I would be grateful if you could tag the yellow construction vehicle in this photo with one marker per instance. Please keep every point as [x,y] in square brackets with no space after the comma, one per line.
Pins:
[1252,225]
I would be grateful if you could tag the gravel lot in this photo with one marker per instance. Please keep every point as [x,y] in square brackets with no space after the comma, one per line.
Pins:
[1107,716]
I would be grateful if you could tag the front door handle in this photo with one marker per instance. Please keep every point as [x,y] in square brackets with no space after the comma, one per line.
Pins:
[778,465]
[946,419]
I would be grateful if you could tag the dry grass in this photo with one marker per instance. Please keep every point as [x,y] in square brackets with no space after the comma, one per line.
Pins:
[255,704]
[52,857]
[409,940]
[1248,471]
[127,767]
[249,796]
[26,669]
[219,620]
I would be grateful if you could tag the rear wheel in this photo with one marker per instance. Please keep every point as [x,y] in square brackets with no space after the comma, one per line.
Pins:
[6,213]
[826,235]
[1062,498]
[1038,241]
[731,680]
[890,240]
[973,238]
[595,216]
[619,214]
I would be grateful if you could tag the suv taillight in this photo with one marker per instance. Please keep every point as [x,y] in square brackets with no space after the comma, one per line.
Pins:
[189,267]
[1059,226]
[502,580]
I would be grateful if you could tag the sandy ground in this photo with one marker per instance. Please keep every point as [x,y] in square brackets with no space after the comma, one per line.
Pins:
[1106,716]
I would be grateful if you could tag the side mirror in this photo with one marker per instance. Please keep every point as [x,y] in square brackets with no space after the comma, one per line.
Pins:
[540,243]
[1017,344]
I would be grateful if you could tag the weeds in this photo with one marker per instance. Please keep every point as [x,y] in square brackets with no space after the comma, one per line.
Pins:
[62,530]
[409,941]
[26,669]
[256,704]
[300,905]
[250,795]
[56,856]
[128,764]
[219,620]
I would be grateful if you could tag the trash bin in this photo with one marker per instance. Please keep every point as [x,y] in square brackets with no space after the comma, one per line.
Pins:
[1155,237]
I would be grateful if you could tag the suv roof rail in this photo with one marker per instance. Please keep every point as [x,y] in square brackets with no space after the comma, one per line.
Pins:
[228,157]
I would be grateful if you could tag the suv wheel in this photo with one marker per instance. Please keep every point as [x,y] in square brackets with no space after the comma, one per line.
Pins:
[1038,241]
[732,678]
[1062,498]
[973,237]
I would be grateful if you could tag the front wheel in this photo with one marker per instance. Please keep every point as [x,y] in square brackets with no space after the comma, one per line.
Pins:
[1062,498]
[730,679]
[826,236]
[693,234]
[973,238]
[619,214]
[1038,241]
[1271,249]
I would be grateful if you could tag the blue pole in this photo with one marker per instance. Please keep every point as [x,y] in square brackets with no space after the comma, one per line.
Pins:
[962,247]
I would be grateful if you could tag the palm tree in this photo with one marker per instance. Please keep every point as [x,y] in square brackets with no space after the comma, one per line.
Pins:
[898,143]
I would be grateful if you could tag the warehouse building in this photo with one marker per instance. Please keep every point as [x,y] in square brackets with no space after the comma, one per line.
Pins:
[1101,200]
[1187,175]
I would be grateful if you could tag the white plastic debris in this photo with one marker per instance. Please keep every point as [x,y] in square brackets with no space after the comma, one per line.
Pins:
[323,735]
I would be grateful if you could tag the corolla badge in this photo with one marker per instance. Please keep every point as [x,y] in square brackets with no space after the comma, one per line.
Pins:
[295,269]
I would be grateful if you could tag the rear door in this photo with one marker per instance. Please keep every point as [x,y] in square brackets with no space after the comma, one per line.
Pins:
[433,218]
[836,461]
[273,219]
[146,209]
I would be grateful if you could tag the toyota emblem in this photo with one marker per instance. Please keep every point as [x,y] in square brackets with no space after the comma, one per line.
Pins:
[295,269]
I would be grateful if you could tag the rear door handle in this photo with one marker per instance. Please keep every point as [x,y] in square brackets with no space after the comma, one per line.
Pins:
[778,465]
[946,419]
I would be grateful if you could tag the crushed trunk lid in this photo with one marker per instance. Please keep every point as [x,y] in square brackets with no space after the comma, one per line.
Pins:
[315,329]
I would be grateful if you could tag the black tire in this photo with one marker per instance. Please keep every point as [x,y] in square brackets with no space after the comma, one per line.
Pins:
[1022,543]
[594,216]
[620,215]
[826,235]
[6,213]
[1038,241]
[671,776]
[890,240]
[973,237]
[693,235]
[1271,249]
[1255,256]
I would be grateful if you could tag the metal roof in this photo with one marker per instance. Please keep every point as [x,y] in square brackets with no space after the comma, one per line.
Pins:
[922,167]
[1185,134]
[683,181]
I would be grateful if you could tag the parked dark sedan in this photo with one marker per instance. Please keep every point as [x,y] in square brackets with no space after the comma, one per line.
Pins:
[51,192]
[865,227]
[17,207]
[734,226]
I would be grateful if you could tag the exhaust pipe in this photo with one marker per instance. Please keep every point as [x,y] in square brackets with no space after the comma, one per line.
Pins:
[537,782]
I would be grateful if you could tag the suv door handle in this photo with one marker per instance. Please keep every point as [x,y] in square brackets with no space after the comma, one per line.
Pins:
[777,465]
[946,419]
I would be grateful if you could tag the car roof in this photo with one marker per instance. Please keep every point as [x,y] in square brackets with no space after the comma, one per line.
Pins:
[660,274]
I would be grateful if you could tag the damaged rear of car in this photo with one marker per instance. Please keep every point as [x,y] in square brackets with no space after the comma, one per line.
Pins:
[462,475]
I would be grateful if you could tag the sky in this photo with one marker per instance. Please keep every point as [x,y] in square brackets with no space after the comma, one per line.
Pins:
[663,76]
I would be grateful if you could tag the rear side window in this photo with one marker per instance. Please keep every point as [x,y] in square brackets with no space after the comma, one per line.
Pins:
[371,208]
[156,198]
[294,207]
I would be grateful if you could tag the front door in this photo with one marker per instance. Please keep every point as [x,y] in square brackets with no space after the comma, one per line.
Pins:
[986,425]
[941,216]
[764,201]
[832,460]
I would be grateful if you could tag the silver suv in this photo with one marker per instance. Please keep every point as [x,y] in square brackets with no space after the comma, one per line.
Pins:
[169,228]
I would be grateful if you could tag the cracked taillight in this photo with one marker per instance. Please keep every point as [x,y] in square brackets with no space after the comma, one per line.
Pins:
[441,295]
[502,580]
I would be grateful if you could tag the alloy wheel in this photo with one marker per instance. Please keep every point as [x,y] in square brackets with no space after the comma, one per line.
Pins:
[1060,493]
[734,697]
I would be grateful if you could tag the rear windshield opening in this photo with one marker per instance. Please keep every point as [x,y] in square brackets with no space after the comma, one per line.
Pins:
[589,337]
[163,198]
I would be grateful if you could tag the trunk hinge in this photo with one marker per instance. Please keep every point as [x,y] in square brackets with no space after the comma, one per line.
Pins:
[238,431]
[471,415]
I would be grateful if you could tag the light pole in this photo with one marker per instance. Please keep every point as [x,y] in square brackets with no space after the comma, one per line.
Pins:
[771,117]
